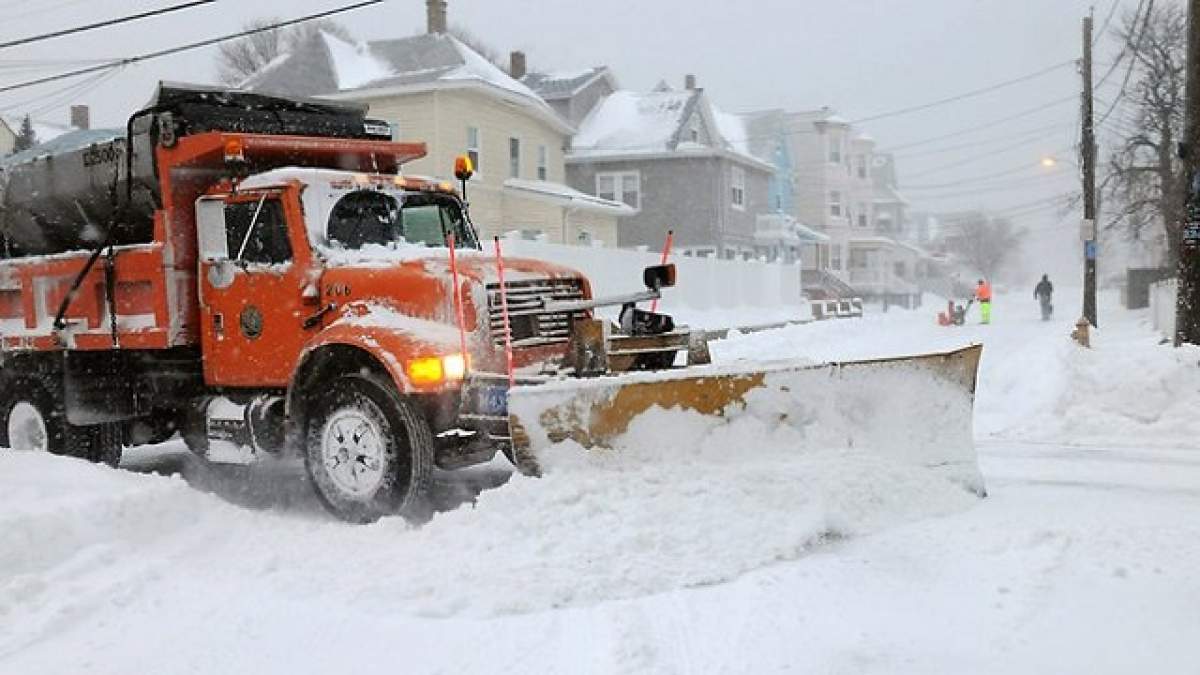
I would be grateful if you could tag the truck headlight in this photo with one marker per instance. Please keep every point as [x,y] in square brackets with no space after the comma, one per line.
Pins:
[454,367]
[429,370]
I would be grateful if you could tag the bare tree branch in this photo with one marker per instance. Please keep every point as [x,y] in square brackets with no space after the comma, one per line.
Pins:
[1144,178]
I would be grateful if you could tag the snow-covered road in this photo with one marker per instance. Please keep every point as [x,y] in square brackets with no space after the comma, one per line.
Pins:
[1081,559]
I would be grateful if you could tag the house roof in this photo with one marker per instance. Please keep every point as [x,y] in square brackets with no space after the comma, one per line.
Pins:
[568,197]
[887,194]
[328,66]
[70,141]
[635,124]
[776,227]
[565,84]
[45,131]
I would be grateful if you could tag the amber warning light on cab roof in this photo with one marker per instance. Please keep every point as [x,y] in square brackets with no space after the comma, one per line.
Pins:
[464,168]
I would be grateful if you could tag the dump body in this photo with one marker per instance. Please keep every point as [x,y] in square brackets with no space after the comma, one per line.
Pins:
[87,188]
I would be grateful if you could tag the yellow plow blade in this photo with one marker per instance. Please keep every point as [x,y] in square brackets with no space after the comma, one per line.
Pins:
[915,409]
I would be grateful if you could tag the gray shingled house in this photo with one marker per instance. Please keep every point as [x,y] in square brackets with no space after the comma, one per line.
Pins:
[683,164]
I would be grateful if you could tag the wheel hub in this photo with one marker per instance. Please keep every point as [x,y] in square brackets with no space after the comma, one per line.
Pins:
[27,428]
[352,449]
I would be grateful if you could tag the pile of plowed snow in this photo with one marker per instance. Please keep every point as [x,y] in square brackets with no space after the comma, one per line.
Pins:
[694,502]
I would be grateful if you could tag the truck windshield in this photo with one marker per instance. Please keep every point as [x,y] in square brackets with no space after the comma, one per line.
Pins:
[367,217]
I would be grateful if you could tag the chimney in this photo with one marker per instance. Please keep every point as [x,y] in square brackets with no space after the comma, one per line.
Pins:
[436,16]
[689,82]
[517,65]
[81,117]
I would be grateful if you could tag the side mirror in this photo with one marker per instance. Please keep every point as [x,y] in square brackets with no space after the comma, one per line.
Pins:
[659,276]
[464,168]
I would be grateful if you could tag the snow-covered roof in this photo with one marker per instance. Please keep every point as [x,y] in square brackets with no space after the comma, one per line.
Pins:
[45,131]
[733,130]
[886,194]
[633,124]
[565,84]
[68,141]
[567,196]
[775,227]
[328,66]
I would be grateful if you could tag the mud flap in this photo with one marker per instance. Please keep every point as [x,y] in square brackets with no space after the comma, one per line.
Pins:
[915,409]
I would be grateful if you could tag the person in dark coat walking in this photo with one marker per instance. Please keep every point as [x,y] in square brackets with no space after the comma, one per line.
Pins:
[1043,292]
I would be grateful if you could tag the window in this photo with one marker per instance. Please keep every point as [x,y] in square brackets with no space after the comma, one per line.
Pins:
[861,163]
[514,157]
[256,231]
[473,146]
[543,163]
[858,259]
[835,149]
[739,188]
[368,217]
[835,204]
[620,186]
[835,257]
[862,214]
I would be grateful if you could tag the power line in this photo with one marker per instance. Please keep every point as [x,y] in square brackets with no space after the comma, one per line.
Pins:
[189,47]
[42,9]
[998,186]
[104,24]
[976,158]
[1130,48]
[1032,134]
[986,125]
[966,95]
[976,179]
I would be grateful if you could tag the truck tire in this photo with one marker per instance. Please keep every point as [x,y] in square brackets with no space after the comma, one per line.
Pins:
[101,444]
[368,451]
[35,420]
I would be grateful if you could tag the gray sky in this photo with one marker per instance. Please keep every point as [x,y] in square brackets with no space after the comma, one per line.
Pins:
[863,57]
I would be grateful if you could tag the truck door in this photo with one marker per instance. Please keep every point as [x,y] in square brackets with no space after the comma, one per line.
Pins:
[253,269]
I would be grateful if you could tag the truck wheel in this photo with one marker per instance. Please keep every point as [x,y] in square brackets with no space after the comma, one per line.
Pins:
[30,426]
[101,444]
[35,421]
[368,451]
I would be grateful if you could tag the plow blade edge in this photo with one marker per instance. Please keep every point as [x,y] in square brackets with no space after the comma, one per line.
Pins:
[914,409]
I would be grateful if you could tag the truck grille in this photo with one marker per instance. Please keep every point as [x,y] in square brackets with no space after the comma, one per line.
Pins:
[530,328]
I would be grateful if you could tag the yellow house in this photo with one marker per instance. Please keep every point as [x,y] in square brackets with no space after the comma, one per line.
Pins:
[434,88]
[8,138]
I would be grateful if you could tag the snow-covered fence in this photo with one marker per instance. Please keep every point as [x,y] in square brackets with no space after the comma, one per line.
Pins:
[704,284]
[1162,306]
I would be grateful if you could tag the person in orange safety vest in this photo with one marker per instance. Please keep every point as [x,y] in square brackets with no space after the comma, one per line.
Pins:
[983,293]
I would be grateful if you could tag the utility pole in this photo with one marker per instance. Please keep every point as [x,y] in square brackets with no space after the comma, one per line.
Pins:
[1187,307]
[1088,150]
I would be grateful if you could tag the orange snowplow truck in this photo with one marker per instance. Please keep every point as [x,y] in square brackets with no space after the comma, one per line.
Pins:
[256,274]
